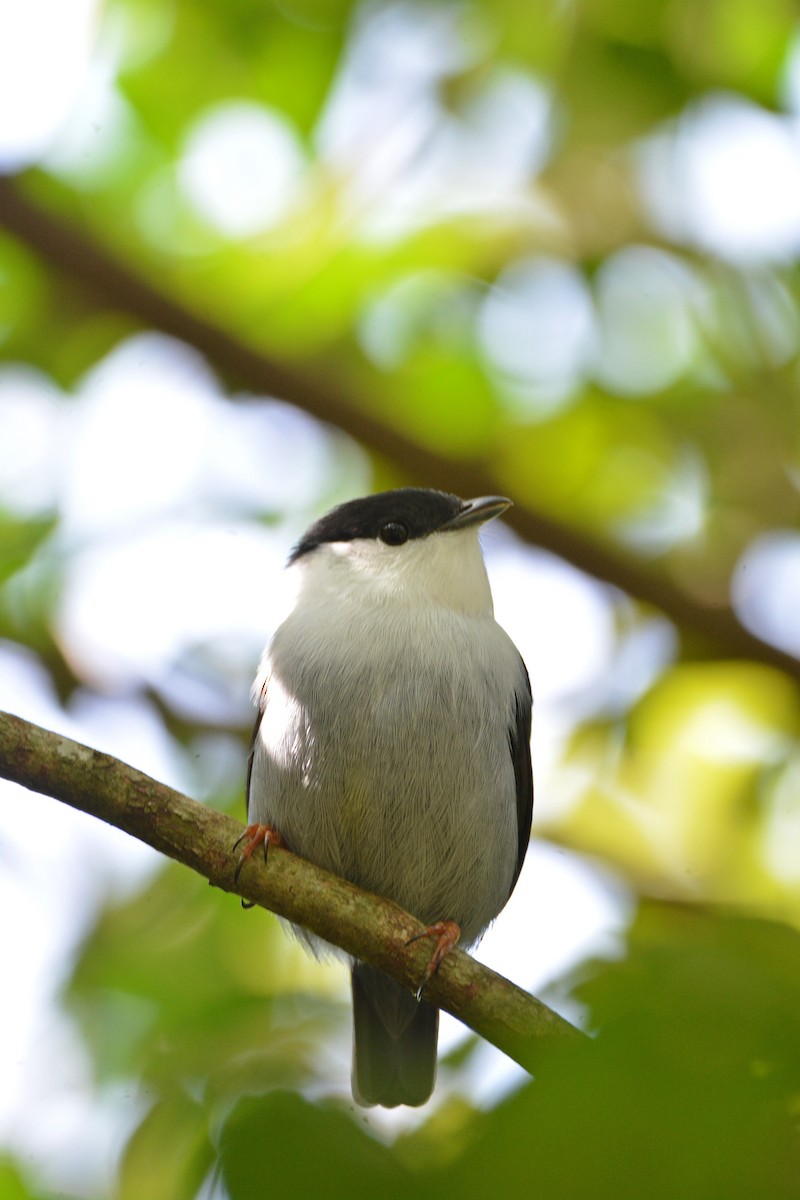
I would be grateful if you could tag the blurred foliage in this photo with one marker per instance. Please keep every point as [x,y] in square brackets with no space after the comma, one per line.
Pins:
[12,1184]
[691,1086]
[685,797]
[491,235]
[20,539]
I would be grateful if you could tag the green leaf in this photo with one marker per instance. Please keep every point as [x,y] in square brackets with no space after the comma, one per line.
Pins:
[13,1185]
[169,1154]
[281,1145]
[19,541]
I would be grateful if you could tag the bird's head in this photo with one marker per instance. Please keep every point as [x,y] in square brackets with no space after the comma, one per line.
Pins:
[412,545]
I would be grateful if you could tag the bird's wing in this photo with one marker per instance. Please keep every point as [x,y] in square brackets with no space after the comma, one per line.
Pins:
[262,704]
[519,741]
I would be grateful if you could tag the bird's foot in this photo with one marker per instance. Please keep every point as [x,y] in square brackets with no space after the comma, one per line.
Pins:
[254,837]
[447,934]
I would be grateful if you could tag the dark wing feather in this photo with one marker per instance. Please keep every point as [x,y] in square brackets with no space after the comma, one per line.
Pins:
[262,703]
[519,741]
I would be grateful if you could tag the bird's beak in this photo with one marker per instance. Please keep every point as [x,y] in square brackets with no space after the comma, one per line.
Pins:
[476,512]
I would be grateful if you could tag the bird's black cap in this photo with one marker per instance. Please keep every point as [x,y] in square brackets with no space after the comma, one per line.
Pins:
[421,511]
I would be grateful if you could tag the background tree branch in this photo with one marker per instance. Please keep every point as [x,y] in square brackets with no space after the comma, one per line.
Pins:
[364,925]
[111,284]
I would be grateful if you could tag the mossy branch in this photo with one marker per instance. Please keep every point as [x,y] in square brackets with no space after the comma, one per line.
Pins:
[364,925]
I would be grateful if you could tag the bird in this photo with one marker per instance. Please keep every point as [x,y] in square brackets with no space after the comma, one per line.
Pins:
[392,746]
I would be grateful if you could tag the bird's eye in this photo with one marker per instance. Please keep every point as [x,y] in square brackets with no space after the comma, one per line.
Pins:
[393,533]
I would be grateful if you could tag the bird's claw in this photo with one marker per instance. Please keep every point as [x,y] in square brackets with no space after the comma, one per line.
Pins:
[254,837]
[447,934]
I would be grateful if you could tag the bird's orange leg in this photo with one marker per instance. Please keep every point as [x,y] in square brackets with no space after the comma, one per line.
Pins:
[447,934]
[254,837]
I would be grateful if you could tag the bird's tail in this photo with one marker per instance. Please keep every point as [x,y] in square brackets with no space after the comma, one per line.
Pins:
[394,1041]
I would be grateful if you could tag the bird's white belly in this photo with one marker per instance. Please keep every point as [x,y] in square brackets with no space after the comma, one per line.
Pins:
[383,755]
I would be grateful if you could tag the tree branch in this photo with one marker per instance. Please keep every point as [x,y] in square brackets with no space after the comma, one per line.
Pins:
[72,252]
[366,926]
